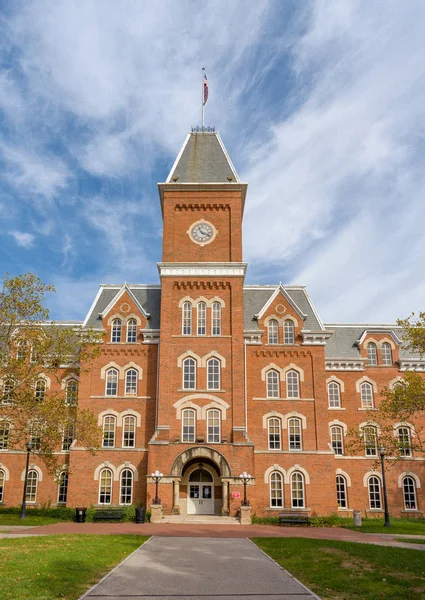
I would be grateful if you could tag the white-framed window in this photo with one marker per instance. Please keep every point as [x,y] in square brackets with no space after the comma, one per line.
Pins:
[272,384]
[188,425]
[35,435]
[273,331]
[374,487]
[341,491]
[105,486]
[4,434]
[276,490]
[2,480]
[68,436]
[189,374]
[405,444]
[187,318]
[387,355]
[21,353]
[216,318]
[31,489]
[131,382]
[109,426]
[213,426]
[201,318]
[8,388]
[409,494]
[63,487]
[334,395]
[370,440]
[294,434]
[366,395]
[288,332]
[337,439]
[292,384]
[131,331]
[274,427]
[126,486]
[40,390]
[111,388]
[129,432]
[372,354]
[71,392]
[297,490]
[213,374]
[116,331]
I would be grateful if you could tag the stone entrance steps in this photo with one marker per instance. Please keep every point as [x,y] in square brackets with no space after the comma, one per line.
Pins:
[200,519]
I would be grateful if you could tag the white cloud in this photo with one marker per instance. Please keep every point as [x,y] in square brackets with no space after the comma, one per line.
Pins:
[22,238]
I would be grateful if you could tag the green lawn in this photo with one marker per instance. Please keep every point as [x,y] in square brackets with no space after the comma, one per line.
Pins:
[349,571]
[411,540]
[48,568]
[7,519]
[408,526]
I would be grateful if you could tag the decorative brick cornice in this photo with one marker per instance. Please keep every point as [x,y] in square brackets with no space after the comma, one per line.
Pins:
[275,353]
[414,364]
[183,206]
[315,338]
[201,285]
[345,364]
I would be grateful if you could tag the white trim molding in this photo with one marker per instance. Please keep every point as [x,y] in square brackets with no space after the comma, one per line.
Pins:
[213,354]
[393,382]
[413,364]
[189,354]
[366,379]
[294,415]
[315,338]
[296,468]
[345,364]
[105,465]
[344,474]
[6,472]
[109,412]
[371,474]
[273,468]
[227,269]
[128,465]
[335,422]
[272,367]
[334,378]
[408,474]
[182,404]
[32,467]
[272,415]
[70,377]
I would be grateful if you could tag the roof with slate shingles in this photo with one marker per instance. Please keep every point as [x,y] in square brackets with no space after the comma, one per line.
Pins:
[343,343]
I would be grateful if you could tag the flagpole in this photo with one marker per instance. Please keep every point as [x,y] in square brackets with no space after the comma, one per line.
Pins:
[202,97]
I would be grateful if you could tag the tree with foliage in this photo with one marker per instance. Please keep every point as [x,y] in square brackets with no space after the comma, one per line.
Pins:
[36,356]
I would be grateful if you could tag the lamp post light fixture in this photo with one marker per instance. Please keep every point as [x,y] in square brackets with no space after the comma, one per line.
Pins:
[157,476]
[245,478]
[384,487]
[23,515]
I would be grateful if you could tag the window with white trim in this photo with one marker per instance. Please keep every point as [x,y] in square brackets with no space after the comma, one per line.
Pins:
[273,331]
[387,355]
[276,490]
[337,437]
[4,434]
[366,395]
[189,374]
[8,388]
[35,435]
[21,353]
[288,332]
[116,331]
[111,388]
[2,480]
[292,384]
[409,494]
[334,395]
[274,427]
[272,384]
[31,489]
[68,436]
[63,487]
[213,426]
[131,331]
[297,490]
[216,318]
[213,374]
[126,486]
[109,426]
[404,442]
[372,354]
[370,440]
[188,425]
[105,486]
[341,492]
[294,434]
[374,487]
[71,393]
[40,390]
[129,432]
[201,312]
[187,318]
[131,382]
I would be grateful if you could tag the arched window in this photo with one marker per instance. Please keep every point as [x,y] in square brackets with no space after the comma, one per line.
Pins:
[126,486]
[131,331]
[213,374]
[294,434]
[409,493]
[189,374]
[213,426]
[337,437]
[129,432]
[216,318]
[366,395]
[40,390]
[108,432]
[187,318]
[370,440]
[105,486]
[341,491]
[276,490]
[202,318]
[274,434]
[288,332]
[111,382]
[131,382]
[71,392]
[68,436]
[116,331]
[372,354]
[4,434]
[292,385]
[21,353]
[63,487]
[188,425]
[374,487]
[2,480]
[273,332]
[334,395]
[8,387]
[387,355]
[31,489]
[405,444]
[297,490]
[272,381]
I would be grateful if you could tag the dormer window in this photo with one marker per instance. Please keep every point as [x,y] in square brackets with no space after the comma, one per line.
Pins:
[273,332]
[387,356]
[288,332]
[116,331]
[372,354]
[131,331]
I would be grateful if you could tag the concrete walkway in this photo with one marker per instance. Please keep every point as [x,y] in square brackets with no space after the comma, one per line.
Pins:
[186,567]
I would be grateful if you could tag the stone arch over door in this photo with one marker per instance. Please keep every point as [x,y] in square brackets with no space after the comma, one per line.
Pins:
[200,452]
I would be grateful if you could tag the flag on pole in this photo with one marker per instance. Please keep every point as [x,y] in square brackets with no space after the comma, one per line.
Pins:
[205,89]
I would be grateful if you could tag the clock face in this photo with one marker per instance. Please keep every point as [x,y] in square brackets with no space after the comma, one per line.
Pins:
[202,232]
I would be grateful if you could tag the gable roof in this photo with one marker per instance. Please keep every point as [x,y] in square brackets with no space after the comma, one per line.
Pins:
[114,300]
[344,343]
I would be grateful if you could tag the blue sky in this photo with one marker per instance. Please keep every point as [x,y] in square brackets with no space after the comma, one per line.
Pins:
[320,105]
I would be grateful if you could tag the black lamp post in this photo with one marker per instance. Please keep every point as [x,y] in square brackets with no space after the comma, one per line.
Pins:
[384,487]
[24,497]
[157,476]
[245,478]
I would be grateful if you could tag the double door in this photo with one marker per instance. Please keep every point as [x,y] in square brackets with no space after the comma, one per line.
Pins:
[200,499]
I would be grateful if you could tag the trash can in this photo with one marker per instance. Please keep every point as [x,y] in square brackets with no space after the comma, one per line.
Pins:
[140,515]
[80,515]
[357,518]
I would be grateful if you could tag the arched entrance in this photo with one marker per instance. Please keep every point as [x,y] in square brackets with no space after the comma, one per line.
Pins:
[200,492]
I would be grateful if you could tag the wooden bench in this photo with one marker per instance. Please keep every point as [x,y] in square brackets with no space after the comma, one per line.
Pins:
[293,519]
[108,515]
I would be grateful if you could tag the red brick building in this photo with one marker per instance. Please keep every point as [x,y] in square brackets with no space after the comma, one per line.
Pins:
[205,369]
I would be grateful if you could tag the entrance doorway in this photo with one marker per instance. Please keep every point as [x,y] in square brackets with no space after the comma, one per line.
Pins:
[200,499]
